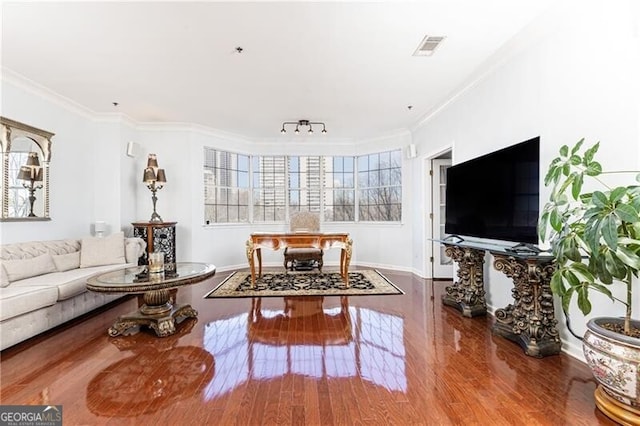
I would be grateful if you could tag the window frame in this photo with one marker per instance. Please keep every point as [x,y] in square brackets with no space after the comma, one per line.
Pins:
[234,169]
[286,209]
[379,187]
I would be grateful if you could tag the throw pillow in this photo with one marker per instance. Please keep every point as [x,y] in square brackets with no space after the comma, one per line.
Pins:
[97,251]
[66,262]
[26,268]
[133,249]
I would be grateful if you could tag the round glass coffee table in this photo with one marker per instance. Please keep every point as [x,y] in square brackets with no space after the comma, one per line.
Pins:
[158,311]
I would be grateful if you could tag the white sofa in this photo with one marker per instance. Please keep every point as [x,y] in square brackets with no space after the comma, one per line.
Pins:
[43,283]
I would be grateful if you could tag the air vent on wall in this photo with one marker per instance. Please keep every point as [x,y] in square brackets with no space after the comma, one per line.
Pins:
[428,45]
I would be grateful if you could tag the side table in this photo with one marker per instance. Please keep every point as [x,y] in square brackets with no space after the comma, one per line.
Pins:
[159,236]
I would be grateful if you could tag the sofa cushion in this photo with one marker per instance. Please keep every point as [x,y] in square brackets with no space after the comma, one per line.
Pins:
[96,251]
[65,262]
[4,279]
[20,300]
[69,283]
[29,249]
[25,268]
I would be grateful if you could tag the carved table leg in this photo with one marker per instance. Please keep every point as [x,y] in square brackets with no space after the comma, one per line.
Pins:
[249,251]
[259,256]
[530,320]
[467,294]
[158,313]
[345,259]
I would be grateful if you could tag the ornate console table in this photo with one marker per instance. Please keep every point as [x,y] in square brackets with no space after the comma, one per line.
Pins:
[530,320]
[320,240]
[467,294]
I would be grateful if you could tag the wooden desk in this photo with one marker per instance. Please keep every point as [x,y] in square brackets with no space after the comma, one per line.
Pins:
[320,240]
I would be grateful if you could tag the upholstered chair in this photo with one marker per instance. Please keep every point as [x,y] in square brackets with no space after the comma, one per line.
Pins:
[303,222]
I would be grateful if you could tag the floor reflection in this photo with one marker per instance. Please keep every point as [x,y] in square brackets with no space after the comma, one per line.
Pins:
[136,385]
[329,327]
[308,338]
[401,360]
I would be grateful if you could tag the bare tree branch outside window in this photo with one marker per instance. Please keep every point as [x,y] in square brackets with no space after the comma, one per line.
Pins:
[339,189]
[244,188]
[226,187]
[380,187]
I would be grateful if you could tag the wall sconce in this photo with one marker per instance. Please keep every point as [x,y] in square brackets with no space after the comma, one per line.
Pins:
[100,227]
[155,179]
[31,173]
[300,123]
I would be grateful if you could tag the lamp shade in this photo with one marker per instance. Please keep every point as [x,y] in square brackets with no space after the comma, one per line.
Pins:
[24,173]
[160,177]
[32,159]
[152,161]
[149,176]
[38,173]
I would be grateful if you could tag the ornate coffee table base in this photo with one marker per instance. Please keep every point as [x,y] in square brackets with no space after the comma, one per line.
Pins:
[158,313]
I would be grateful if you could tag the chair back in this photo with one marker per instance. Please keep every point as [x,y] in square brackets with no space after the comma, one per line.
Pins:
[305,222]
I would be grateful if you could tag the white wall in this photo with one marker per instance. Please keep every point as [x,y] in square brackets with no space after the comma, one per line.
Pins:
[92,179]
[85,163]
[578,78]
[130,177]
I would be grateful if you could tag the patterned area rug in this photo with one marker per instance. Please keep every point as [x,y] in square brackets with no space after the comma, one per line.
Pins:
[361,283]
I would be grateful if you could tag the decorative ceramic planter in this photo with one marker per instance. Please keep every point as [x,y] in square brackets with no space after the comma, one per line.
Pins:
[615,362]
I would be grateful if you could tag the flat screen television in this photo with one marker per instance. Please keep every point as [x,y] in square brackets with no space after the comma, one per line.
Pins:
[496,196]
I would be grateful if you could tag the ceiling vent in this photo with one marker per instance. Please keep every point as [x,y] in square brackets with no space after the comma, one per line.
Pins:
[428,45]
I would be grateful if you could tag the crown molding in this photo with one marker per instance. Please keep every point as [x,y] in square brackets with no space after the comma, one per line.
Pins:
[30,86]
[116,118]
[193,128]
[540,27]
[39,90]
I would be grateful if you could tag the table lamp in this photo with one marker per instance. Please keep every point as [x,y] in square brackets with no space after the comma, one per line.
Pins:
[155,179]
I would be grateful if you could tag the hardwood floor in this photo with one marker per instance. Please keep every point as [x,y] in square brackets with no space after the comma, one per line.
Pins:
[339,361]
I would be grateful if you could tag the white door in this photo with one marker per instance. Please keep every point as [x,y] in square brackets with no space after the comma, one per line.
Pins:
[442,265]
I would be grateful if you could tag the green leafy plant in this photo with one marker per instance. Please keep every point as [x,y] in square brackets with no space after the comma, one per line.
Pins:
[594,236]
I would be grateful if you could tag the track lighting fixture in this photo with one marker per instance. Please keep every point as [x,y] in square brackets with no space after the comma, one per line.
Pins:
[300,123]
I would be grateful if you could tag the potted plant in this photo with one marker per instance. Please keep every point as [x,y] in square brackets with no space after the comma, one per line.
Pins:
[595,239]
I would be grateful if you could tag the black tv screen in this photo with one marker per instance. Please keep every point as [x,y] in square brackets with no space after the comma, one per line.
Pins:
[496,196]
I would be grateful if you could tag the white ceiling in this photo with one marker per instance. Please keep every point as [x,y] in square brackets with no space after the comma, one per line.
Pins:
[348,64]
